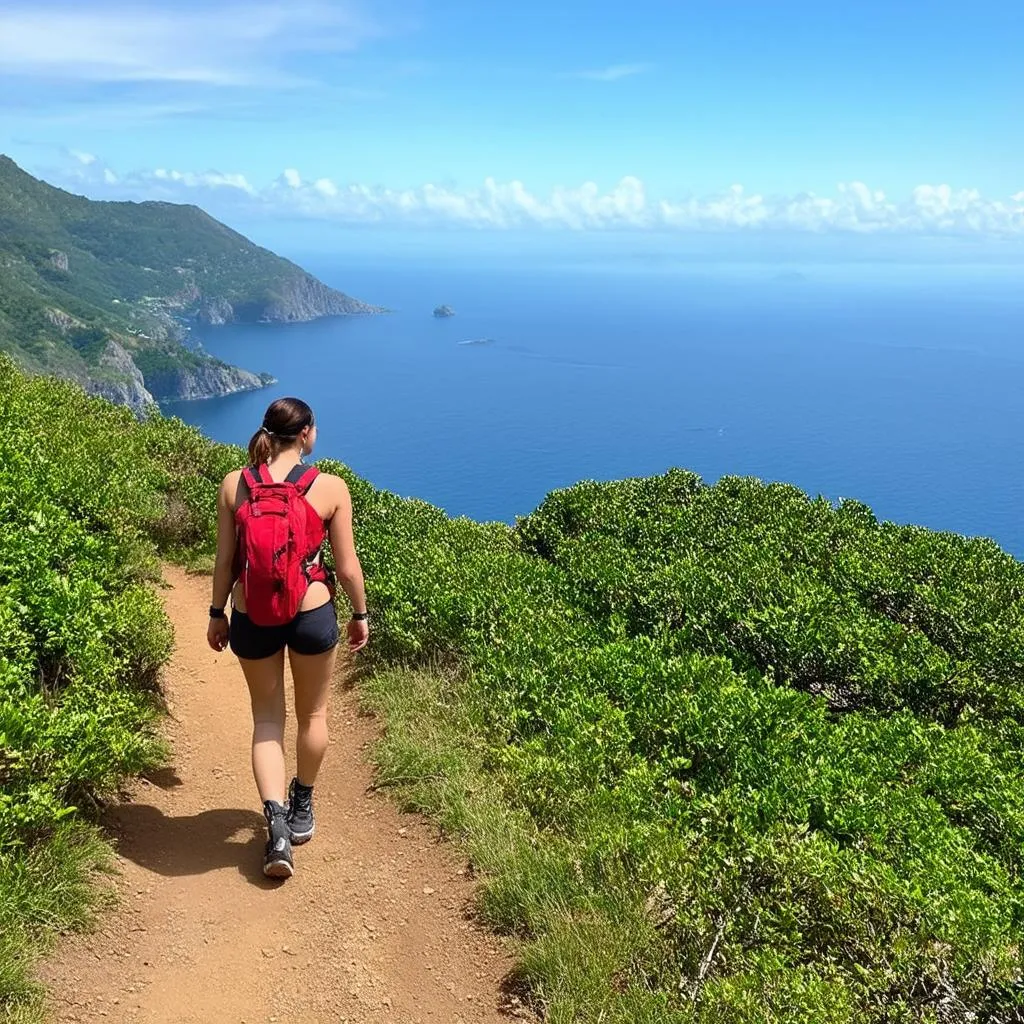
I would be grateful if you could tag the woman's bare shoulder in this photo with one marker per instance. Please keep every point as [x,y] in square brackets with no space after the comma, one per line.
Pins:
[229,487]
[335,480]
[336,486]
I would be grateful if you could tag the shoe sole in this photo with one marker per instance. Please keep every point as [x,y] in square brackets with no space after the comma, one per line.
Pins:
[298,838]
[278,869]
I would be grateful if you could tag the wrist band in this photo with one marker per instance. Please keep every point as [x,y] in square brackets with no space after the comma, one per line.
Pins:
[217,613]
[360,616]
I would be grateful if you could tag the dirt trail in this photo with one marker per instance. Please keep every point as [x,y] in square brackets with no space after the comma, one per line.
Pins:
[373,927]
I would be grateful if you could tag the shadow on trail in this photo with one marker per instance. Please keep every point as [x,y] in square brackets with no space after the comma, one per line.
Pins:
[164,778]
[193,843]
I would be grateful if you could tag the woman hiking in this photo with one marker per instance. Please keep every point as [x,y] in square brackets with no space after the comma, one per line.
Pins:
[272,520]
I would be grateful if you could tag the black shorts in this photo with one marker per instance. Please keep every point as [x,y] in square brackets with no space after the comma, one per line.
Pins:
[312,632]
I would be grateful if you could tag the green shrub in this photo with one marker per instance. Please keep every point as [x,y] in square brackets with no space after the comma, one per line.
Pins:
[84,491]
[799,725]
[747,756]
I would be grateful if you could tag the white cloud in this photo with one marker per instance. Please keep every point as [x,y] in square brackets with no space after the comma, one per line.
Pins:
[853,208]
[83,158]
[234,44]
[612,73]
[188,180]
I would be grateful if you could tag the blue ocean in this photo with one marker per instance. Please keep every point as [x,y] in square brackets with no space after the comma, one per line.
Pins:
[897,385]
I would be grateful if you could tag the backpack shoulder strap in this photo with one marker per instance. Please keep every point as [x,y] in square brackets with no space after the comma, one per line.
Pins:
[255,475]
[303,476]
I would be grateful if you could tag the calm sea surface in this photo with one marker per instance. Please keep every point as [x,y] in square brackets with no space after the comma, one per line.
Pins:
[899,386]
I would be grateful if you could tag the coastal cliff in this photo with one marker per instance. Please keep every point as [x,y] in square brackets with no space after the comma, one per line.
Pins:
[119,380]
[209,379]
[300,298]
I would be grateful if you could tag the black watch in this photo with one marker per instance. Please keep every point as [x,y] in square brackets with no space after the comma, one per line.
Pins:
[360,616]
[217,613]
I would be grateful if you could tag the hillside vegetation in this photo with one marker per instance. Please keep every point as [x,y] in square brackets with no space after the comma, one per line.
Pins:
[94,290]
[719,753]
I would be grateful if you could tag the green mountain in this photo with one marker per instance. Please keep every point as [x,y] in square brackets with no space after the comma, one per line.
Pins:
[107,293]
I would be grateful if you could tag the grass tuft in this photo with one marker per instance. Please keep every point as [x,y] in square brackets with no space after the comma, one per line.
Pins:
[52,888]
[577,946]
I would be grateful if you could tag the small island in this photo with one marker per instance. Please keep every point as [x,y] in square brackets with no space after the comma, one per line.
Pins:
[442,311]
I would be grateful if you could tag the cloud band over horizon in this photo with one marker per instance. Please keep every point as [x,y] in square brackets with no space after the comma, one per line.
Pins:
[930,209]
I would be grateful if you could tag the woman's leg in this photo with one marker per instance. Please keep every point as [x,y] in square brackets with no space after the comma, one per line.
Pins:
[312,674]
[265,677]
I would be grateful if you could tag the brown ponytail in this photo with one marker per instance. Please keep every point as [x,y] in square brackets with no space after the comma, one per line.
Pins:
[283,421]
[260,448]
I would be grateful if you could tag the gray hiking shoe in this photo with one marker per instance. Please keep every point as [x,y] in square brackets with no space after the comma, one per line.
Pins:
[277,858]
[301,825]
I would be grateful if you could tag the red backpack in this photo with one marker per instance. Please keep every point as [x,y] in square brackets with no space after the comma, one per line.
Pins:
[279,540]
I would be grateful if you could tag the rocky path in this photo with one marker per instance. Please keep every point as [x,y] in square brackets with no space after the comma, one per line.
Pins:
[373,927]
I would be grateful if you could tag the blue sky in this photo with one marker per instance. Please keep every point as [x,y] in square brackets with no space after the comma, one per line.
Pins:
[656,116]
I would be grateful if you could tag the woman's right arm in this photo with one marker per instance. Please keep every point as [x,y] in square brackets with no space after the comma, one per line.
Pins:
[226,540]
[217,631]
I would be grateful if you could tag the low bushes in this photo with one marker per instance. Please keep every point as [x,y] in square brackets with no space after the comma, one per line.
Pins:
[792,730]
[83,488]
[723,753]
